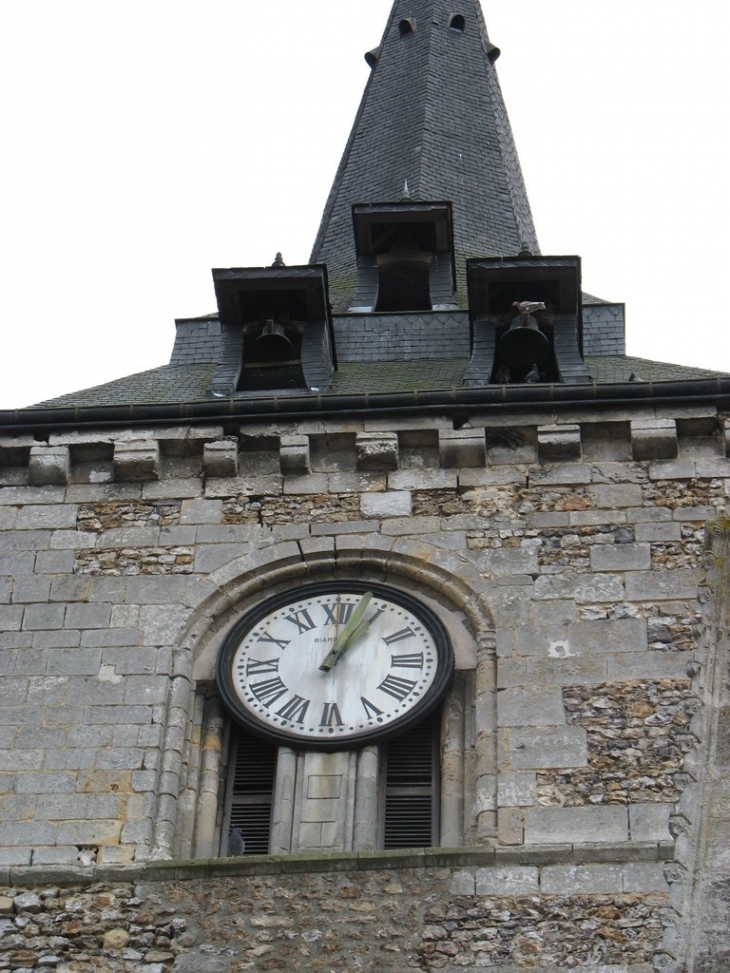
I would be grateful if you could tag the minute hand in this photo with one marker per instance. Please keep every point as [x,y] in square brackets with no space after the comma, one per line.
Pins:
[355,627]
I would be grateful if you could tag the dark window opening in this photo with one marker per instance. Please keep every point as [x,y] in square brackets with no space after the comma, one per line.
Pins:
[458,23]
[263,379]
[404,288]
[251,774]
[412,787]
[407,26]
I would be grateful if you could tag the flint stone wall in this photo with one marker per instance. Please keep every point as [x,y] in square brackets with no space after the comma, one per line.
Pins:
[354,914]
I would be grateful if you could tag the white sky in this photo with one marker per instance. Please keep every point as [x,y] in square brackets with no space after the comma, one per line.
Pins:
[144,142]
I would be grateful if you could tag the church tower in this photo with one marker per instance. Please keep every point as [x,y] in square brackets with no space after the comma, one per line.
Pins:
[398,597]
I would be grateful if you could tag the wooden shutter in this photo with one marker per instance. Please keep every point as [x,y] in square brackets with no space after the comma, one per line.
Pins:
[412,787]
[251,775]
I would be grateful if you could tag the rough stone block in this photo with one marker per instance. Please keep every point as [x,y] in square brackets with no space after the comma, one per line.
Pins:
[137,460]
[394,503]
[611,495]
[573,825]
[667,585]
[306,484]
[220,458]
[377,451]
[535,706]
[508,561]
[620,557]
[294,456]
[200,511]
[581,879]
[517,880]
[603,636]
[678,469]
[654,439]
[545,747]
[572,474]
[560,442]
[516,789]
[649,822]
[462,448]
[49,465]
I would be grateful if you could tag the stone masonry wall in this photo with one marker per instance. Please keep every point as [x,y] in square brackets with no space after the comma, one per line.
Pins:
[371,914]
[579,542]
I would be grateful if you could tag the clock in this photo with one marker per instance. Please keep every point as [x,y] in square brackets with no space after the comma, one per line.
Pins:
[335,665]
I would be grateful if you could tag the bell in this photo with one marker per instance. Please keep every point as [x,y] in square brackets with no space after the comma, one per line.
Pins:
[272,344]
[524,345]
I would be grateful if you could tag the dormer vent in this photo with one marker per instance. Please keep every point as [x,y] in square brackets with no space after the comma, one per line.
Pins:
[407,26]
[372,57]
[526,320]
[458,22]
[276,329]
[405,257]
[492,52]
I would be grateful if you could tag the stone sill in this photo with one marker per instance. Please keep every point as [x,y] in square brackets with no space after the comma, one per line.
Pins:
[457,858]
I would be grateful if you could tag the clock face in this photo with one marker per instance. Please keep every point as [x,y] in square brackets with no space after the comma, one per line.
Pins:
[335,665]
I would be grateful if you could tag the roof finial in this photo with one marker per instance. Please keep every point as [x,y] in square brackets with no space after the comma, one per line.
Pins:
[279,261]
[406,193]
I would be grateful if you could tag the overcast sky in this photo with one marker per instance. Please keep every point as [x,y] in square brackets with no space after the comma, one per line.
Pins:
[146,141]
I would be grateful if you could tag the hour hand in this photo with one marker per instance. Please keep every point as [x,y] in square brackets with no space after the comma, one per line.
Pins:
[356,626]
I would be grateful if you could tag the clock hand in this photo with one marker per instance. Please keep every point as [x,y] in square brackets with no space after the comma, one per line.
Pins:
[355,627]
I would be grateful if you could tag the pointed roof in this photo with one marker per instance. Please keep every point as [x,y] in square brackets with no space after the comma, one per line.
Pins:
[432,116]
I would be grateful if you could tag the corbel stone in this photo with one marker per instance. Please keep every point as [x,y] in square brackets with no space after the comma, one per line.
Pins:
[220,458]
[654,439]
[462,448]
[137,459]
[294,455]
[559,442]
[49,465]
[377,450]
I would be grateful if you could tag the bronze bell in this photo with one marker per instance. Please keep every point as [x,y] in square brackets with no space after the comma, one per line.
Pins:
[272,344]
[524,345]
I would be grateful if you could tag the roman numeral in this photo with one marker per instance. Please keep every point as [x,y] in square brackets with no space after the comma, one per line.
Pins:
[339,613]
[302,620]
[268,691]
[397,687]
[405,633]
[261,665]
[294,710]
[331,715]
[282,643]
[371,709]
[412,661]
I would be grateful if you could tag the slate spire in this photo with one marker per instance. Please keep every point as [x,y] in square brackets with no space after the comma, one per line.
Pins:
[432,115]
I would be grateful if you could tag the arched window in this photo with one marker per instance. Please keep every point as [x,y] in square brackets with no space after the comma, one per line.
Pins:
[458,22]
[407,26]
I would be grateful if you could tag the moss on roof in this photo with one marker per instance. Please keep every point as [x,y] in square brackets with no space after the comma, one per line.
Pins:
[172,384]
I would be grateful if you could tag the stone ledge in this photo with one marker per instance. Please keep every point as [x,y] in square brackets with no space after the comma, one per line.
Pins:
[210,868]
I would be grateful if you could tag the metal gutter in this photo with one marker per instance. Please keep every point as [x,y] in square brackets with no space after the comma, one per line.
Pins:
[498,398]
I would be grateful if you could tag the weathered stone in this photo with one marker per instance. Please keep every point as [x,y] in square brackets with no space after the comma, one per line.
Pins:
[559,442]
[376,451]
[137,460]
[49,465]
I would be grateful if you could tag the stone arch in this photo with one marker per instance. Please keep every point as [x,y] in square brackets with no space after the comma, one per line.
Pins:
[190,781]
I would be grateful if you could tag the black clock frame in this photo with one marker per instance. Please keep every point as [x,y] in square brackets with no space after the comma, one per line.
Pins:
[416,714]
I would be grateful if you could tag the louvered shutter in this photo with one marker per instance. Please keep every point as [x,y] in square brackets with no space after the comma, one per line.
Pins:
[252,771]
[411,788]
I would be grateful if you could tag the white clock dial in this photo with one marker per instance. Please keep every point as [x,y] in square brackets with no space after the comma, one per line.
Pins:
[335,665]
